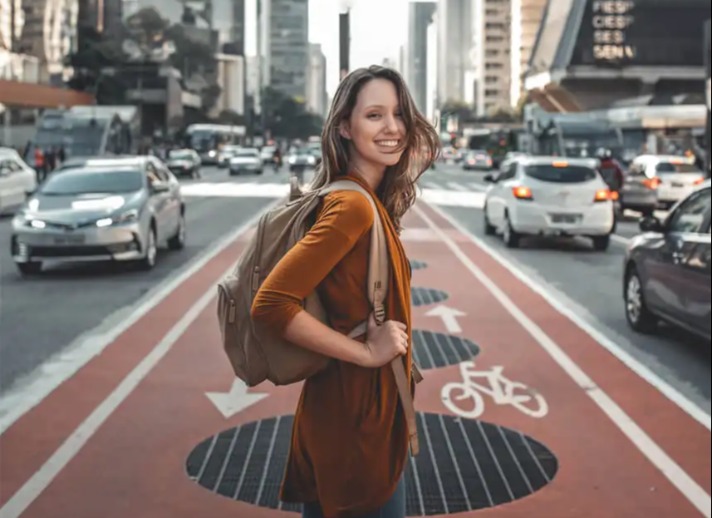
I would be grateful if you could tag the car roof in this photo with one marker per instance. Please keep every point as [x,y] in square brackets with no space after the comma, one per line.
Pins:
[550,160]
[103,169]
[663,158]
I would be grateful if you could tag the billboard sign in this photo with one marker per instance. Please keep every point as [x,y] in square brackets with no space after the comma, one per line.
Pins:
[655,33]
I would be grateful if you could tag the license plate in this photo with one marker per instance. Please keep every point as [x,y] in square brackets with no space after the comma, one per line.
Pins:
[76,239]
[678,185]
[564,218]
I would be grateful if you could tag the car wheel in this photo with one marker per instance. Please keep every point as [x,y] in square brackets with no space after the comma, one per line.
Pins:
[177,242]
[601,243]
[511,237]
[149,260]
[490,229]
[636,309]
[32,268]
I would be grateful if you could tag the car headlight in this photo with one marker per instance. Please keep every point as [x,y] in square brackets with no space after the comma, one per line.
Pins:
[130,216]
[292,160]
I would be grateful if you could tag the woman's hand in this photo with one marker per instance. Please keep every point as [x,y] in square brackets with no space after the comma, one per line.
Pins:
[384,343]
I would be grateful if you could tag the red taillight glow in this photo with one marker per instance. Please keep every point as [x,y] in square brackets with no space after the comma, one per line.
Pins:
[699,181]
[604,195]
[652,183]
[522,193]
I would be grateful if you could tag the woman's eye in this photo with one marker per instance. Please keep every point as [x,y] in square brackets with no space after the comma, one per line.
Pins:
[374,116]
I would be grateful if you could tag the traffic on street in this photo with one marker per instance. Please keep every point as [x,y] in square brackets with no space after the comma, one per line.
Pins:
[279,259]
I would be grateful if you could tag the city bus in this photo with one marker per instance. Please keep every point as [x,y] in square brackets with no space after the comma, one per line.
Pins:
[208,139]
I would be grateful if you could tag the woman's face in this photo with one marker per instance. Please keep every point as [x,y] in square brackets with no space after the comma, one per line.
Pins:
[376,128]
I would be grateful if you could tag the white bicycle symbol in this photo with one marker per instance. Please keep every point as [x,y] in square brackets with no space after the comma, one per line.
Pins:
[469,393]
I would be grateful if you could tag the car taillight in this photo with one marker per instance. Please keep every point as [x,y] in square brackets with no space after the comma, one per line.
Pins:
[699,181]
[652,183]
[522,193]
[603,195]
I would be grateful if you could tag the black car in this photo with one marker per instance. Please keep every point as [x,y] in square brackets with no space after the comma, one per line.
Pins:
[667,271]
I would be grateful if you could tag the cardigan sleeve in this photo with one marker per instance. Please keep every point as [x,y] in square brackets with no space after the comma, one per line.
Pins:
[344,218]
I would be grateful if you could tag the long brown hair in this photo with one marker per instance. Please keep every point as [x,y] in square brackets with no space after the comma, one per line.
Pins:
[397,190]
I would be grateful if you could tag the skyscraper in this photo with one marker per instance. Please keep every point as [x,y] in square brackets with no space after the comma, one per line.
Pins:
[284,45]
[316,84]
[420,15]
[454,49]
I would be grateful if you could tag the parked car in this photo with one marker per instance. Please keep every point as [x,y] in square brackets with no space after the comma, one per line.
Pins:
[667,269]
[184,162]
[246,160]
[17,180]
[477,160]
[550,196]
[119,212]
[672,178]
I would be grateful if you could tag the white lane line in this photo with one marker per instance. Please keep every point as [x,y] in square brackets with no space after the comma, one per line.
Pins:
[457,187]
[477,186]
[620,239]
[430,185]
[32,489]
[29,391]
[696,495]
[555,301]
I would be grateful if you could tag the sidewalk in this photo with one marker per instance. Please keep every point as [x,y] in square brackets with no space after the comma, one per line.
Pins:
[156,427]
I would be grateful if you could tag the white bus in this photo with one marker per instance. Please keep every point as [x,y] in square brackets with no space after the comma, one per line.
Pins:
[208,139]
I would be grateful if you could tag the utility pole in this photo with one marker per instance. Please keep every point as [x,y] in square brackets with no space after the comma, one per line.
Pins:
[344,43]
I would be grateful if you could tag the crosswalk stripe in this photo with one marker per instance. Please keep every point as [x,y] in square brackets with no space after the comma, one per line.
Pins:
[457,187]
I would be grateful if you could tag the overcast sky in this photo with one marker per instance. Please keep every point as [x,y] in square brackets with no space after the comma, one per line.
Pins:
[378,29]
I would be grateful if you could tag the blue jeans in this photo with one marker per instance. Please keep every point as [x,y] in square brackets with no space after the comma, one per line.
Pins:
[394,508]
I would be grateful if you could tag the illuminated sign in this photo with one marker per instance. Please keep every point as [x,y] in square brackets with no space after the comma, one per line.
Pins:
[611,21]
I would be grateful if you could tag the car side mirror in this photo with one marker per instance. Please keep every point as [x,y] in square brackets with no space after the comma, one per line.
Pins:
[652,224]
[160,187]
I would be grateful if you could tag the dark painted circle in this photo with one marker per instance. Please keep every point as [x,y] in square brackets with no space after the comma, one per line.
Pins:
[426,296]
[464,465]
[418,265]
[437,350]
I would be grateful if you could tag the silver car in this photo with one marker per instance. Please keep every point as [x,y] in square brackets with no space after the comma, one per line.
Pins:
[122,212]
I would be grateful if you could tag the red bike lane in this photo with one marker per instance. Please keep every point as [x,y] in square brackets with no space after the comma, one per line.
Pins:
[521,414]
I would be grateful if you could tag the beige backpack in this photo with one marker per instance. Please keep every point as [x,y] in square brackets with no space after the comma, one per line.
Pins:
[255,355]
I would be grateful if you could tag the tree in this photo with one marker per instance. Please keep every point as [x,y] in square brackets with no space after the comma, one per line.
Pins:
[287,117]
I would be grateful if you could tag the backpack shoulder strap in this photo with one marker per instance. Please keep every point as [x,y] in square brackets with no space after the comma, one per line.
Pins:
[378,270]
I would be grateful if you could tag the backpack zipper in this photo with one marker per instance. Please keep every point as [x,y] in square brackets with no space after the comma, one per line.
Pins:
[232,309]
[258,254]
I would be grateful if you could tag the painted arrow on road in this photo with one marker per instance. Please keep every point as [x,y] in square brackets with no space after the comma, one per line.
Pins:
[235,401]
[449,317]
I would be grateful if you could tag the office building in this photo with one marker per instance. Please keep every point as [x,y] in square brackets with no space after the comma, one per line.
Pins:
[316,81]
[284,45]
[420,15]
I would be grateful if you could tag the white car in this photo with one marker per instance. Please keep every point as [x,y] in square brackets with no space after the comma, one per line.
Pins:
[550,196]
[246,160]
[17,180]
[677,177]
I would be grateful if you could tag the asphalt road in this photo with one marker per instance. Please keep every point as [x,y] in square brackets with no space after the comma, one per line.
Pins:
[590,283]
[43,315]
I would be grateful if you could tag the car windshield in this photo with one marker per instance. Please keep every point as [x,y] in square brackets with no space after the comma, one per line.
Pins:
[180,155]
[560,174]
[247,153]
[93,181]
[671,167]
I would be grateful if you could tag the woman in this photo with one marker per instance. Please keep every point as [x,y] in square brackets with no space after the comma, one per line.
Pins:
[350,441]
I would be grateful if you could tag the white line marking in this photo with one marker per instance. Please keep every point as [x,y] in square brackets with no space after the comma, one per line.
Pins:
[430,185]
[477,186]
[32,489]
[457,187]
[667,466]
[554,300]
[620,239]
[29,391]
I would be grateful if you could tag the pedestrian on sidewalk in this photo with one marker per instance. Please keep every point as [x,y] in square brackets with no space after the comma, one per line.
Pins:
[350,440]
